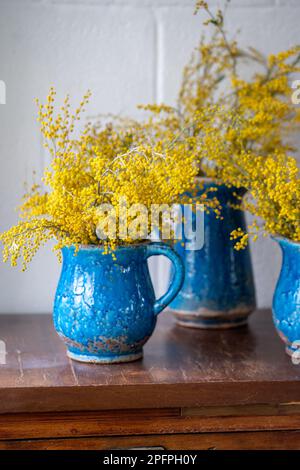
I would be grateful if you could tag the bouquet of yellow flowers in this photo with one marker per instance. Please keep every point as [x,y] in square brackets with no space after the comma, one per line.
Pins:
[214,78]
[87,172]
[273,197]
[272,181]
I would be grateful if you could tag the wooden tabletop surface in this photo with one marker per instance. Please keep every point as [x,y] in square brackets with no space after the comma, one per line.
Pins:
[181,367]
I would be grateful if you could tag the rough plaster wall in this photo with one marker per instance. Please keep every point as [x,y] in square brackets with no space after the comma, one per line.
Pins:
[126,52]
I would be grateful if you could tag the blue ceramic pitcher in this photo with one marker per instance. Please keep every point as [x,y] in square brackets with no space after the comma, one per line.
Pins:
[105,308]
[286,302]
[218,291]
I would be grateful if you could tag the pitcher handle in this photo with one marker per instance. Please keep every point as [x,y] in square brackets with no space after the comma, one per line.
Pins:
[159,248]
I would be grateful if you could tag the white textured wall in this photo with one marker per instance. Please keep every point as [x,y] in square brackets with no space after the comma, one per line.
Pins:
[126,52]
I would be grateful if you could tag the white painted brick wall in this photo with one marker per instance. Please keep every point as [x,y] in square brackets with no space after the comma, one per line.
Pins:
[126,52]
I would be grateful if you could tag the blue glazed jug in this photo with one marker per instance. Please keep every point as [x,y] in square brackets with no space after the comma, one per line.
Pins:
[105,309]
[286,301]
[218,291]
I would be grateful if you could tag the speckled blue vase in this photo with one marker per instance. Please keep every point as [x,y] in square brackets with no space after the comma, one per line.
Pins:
[286,301]
[218,291]
[105,310]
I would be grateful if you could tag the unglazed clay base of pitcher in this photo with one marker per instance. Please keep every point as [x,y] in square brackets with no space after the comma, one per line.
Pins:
[292,352]
[105,350]
[94,359]
[213,319]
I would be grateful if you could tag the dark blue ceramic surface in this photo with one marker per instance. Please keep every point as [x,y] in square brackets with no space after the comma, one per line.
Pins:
[286,302]
[218,290]
[105,309]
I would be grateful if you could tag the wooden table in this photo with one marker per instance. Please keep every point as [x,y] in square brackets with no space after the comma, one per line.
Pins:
[228,389]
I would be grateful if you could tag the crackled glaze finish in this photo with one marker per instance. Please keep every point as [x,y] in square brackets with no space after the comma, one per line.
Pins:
[286,302]
[105,309]
[218,291]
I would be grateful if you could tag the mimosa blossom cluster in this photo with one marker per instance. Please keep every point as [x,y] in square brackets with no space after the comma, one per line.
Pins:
[87,172]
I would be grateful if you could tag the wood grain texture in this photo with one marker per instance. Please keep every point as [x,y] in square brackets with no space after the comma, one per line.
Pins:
[277,440]
[122,423]
[181,368]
